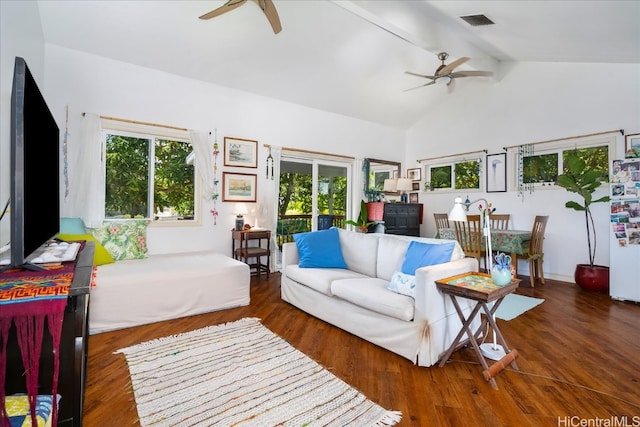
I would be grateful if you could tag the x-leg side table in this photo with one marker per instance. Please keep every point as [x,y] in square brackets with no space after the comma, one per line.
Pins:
[480,288]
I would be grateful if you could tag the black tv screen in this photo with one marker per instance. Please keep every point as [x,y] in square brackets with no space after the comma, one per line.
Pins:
[35,177]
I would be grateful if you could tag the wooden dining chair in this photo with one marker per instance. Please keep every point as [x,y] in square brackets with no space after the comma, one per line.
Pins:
[442,221]
[469,235]
[535,253]
[500,221]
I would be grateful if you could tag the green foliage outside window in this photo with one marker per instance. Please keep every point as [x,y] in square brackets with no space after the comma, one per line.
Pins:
[543,168]
[173,179]
[540,168]
[466,176]
[296,196]
[441,177]
[595,158]
[128,161]
[127,176]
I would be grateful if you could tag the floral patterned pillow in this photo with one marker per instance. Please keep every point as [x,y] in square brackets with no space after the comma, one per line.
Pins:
[124,239]
[402,283]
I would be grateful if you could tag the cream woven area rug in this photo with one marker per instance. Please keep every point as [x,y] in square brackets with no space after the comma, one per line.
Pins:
[241,374]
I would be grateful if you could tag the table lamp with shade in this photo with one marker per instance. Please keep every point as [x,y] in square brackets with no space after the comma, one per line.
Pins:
[390,185]
[404,185]
[493,350]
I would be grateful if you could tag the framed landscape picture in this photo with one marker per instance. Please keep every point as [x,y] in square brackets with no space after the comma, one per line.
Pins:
[496,173]
[632,145]
[240,152]
[239,187]
[414,174]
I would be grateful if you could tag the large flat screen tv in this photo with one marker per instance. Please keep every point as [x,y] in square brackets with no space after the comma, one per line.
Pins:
[35,176]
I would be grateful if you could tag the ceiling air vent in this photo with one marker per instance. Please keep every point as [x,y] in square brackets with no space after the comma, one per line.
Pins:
[477,20]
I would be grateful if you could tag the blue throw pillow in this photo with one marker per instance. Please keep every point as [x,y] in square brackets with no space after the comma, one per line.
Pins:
[319,249]
[72,226]
[423,254]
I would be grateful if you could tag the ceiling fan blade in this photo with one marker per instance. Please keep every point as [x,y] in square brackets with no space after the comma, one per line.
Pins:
[227,7]
[269,9]
[421,75]
[449,68]
[418,87]
[472,74]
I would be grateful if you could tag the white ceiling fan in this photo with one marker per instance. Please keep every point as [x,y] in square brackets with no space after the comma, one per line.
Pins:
[447,70]
[267,7]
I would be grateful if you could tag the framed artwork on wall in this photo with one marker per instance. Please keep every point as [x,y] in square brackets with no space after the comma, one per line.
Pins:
[240,152]
[239,187]
[632,145]
[496,172]
[414,174]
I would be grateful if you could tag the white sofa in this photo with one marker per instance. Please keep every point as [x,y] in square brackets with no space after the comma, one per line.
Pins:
[133,292]
[357,300]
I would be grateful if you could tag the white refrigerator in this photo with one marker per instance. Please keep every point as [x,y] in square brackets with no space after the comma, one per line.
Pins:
[624,235]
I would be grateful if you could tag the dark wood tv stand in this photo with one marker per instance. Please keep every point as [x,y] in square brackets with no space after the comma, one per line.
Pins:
[73,348]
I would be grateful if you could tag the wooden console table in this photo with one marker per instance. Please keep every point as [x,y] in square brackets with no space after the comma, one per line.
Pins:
[480,288]
[73,346]
[258,249]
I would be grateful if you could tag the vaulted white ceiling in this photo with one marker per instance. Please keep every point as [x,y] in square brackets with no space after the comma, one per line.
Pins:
[345,57]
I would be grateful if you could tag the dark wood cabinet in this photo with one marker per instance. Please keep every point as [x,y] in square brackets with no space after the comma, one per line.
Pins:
[403,218]
[73,348]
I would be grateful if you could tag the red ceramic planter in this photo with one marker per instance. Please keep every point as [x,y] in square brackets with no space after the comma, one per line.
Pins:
[594,278]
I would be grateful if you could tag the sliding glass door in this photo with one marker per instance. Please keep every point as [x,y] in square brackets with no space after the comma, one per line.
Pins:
[313,195]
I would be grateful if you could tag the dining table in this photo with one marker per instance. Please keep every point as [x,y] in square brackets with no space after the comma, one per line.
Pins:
[512,242]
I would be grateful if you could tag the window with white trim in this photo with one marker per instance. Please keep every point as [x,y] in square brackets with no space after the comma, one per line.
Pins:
[149,175]
[455,175]
[542,167]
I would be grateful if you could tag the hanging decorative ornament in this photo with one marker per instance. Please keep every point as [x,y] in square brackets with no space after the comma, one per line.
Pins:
[525,150]
[269,165]
[530,153]
[65,152]
[215,194]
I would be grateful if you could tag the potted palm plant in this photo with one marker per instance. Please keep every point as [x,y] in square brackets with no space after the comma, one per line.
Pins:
[362,222]
[583,181]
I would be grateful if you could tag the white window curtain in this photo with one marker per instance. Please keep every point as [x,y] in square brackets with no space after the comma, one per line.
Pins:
[357,188]
[270,200]
[204,160]
[86,173]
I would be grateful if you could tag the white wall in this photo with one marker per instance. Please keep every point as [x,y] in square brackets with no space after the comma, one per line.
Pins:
[20,35]
[533,102]
[88,83]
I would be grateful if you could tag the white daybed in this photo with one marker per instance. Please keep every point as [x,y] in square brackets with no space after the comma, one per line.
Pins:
[161,287]
[134,288]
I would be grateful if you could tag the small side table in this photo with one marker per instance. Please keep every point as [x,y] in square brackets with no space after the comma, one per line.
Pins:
[245,252]
[480,288]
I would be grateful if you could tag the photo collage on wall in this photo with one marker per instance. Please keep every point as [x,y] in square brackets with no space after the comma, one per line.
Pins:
[625,204]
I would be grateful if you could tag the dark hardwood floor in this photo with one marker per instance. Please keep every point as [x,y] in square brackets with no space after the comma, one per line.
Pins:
[579,359]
